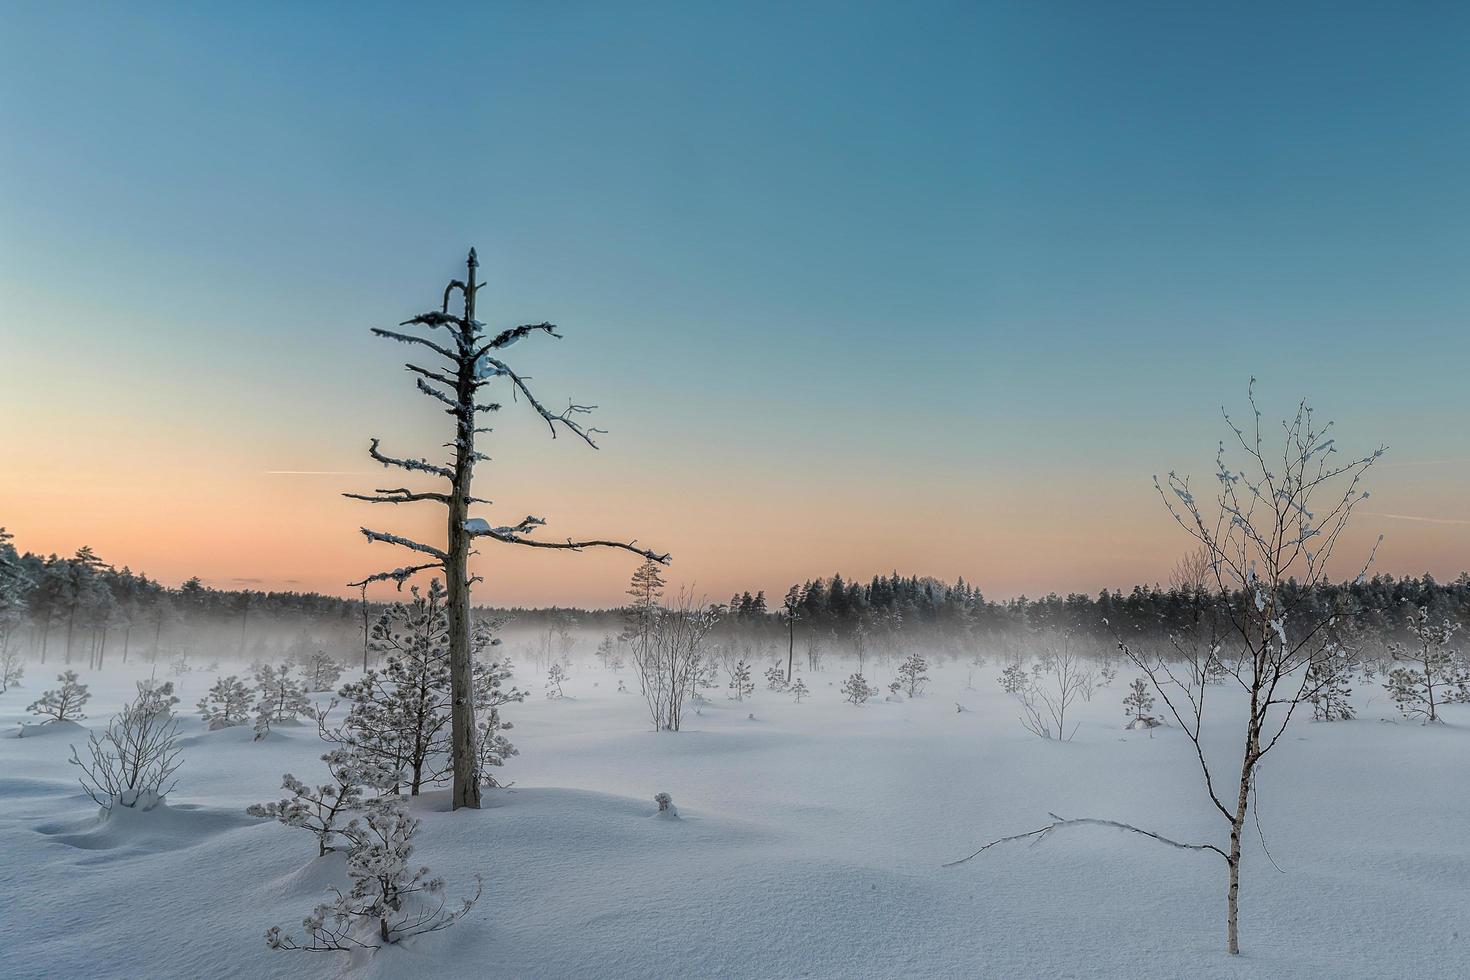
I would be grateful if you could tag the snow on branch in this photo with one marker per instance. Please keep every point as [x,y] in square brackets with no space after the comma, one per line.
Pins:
[507,337]
[1040,834]
[405,338]
[515,534]
[396,575]
[417,465]
[403,542]
[399,495]
[435,318]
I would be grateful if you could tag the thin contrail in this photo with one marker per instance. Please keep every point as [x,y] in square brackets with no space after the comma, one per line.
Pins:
[1425,520]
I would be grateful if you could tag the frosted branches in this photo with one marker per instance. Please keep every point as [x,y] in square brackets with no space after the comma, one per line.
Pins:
[413,465]
[516,534]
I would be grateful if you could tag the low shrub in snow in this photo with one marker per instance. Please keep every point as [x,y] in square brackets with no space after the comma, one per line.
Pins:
[282,698]
[1137,705]
[133,763]
[62,703]
[226,705]
[387,902]
[320,808]
[913,674]
[322,672]
[856,690]
[11,670]
[799,690]
[1431,673]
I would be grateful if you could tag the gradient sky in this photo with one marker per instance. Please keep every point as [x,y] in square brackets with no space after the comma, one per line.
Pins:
[935,287]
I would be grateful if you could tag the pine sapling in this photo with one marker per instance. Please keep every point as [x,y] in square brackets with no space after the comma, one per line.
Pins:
[62,703]
[227,704]
[855,689]
[740,682]
[913,674]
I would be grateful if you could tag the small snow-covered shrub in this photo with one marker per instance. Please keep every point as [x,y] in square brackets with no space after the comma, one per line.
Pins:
[1014,679]
[387,902]
[157,696]
[320,808]
[11,670]
[666,808]
[799,690]
[1431,673]
[555,675]
[775,678]
[133,763]
[322,672]
[1137,705]
[1328,691]
[913,674]
[856,690]
[62,703]
[282,698]
[740,682]
[226,705]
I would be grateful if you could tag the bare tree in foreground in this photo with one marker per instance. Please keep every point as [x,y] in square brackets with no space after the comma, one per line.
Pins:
[1279,521]
[468,364]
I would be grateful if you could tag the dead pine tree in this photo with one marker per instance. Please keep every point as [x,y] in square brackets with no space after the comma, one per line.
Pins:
[467,365]
[1274,526]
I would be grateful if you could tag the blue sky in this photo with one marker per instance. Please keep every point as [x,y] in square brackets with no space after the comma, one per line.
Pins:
[818,263]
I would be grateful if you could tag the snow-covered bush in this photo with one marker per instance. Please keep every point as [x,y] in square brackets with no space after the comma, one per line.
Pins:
[913,674]
[856,690]
[387,902]
[322,672]
[775,678]
[1328,691]
[1014,679]
[282,698]
[1431,672]
[555,675]
[798,690]
[133,763]
[666,808]
[1137,705]
[227,704]
[740,682]
[12,669]
[319,809]
[62,703]
[157,696]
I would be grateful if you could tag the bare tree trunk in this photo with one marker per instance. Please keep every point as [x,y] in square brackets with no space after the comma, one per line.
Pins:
[790,645]
[364,629]
[456,574]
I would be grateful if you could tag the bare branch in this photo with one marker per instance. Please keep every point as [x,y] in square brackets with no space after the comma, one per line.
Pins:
[402,542]
[415,465]
[398,575]
[1039,834]
[514,534]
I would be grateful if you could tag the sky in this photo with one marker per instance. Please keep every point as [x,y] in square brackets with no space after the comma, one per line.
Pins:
[855,287]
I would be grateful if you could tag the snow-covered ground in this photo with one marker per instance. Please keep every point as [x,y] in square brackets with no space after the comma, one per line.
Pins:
[810,845]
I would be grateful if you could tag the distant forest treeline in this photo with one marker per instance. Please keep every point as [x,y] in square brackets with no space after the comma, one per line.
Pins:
[69,607]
